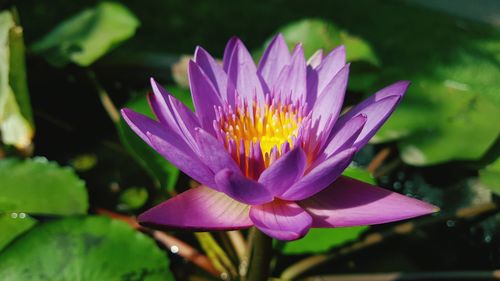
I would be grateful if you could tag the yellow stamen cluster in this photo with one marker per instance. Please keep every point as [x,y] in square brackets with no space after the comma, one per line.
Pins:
[271,125]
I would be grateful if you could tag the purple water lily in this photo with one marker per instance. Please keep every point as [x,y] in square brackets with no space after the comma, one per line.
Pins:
[268,145]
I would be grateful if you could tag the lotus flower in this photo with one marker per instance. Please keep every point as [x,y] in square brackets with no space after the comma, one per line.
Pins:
[268,145]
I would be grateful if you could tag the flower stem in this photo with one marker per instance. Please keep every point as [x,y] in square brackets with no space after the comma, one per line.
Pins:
[106,101]
[261,257]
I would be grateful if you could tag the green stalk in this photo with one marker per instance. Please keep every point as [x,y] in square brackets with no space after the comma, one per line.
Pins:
[260,261]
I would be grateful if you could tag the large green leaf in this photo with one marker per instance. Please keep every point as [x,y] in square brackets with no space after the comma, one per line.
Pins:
[359,174]
[37,186]
[453,64]
[322,239]
[436,123]
[16,126]
[85,37]
[448,111]
[89,248]
[13,225]
[317,34]
[490,176]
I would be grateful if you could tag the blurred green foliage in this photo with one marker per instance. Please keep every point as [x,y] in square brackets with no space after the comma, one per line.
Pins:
[85,37]
[319,240]
[13,225]
[90,248]
[37,186]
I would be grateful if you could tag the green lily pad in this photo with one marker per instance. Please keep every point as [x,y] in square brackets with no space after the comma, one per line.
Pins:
[315,34]
[13,225]
[321,239]
[490,176]
[37,186]
[437,123]
[359,174]
[89,248]
[133,198]
[87,36]
[453,64]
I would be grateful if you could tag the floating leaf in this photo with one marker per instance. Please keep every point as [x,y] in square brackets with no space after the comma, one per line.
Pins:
[490,176]
[317,34]
[87,36]
[322,239]
[90,248]
[16,127]
[453,64]
[359,174]
[37,186]
[447,118]
[13,225]
[133,198]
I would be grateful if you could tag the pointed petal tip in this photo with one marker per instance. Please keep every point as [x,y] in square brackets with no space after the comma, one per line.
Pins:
[397,89]
[436,209]
[124,111]
[197,51]
[157,88]
[128,114]
[349,202]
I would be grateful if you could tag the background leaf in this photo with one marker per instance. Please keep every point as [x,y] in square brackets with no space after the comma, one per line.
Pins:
[133,198]
[16,126]
[36,186]
[91,248]
[322,239]
[490,176]
[359,174]
[447,119]
[317,34]
[85,37]
[13,225]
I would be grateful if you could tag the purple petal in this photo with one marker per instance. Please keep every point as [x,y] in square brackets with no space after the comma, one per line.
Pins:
[243,73]
[284,172]
[228,52]
[328,105]
[201,209]
[275,57]
[215,73]
[312,87]
[345,136]
[329,67]
[292,79]
[320,176]
[213,153]
[242,189]
[169,145]
[158,101]
[205,97]
[315,60]
[349,202]
[182,158]
[377,108]
[173,113]
[283,220]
